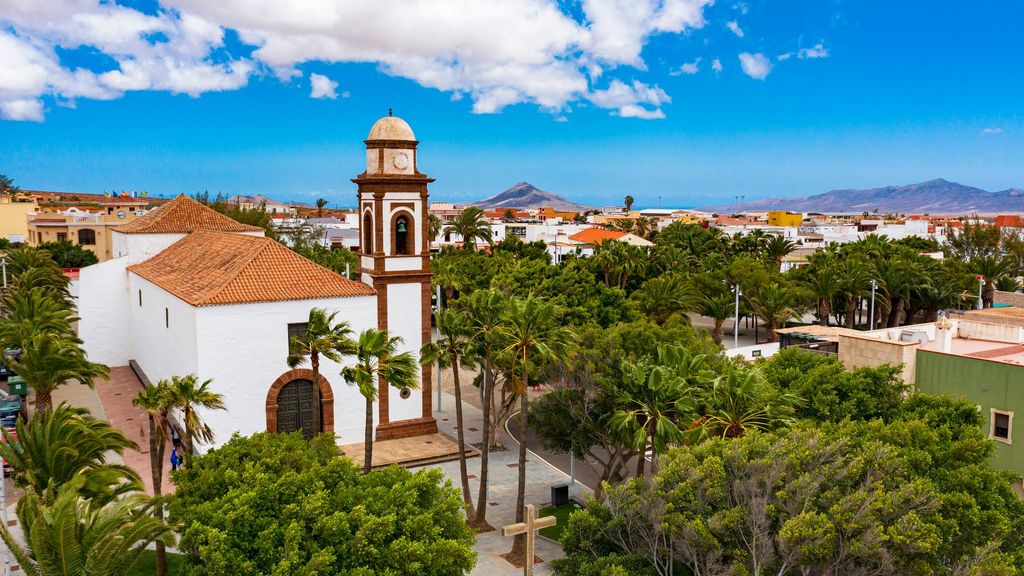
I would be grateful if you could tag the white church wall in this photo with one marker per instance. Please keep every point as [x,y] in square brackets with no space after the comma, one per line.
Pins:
[163,331]
[405,320]
[139,247]
[243,349]
[103,309]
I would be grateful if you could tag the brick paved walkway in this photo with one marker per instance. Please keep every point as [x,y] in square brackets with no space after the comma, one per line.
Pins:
[115,395]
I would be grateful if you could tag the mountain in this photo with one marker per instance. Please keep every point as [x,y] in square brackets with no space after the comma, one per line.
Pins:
[933,197]
[526,195]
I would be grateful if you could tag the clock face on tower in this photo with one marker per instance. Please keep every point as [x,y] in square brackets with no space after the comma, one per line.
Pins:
[401,161]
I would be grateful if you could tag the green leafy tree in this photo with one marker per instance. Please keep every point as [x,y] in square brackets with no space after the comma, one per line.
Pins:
[325,336]
[531,339]
[279,504]
[719,308]
[991,268]
[628,202]
[776,247]
[48,361]
[188,394]
[472,226]
[68,255]
[378,363]
[321,203]
[74,536]
[454,349]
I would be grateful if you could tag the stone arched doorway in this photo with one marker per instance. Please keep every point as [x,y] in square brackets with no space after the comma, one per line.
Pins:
[292,404]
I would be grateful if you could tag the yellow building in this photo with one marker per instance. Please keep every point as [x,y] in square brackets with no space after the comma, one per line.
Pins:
[14,218]
[781,218]
[89,227]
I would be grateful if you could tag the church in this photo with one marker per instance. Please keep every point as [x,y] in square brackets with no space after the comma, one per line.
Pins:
[191,291]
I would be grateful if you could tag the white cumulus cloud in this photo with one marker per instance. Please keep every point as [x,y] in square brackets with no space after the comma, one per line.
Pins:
[322,87]
[757,66]
[688,68]
[716,65]
[989,131]
[817,51]
[496,53]
[734,27]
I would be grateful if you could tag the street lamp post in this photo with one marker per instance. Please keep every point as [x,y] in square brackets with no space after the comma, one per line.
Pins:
[736,321]
[981,284]
[871,317]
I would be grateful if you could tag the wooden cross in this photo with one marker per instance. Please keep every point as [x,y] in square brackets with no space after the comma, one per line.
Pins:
[529,527]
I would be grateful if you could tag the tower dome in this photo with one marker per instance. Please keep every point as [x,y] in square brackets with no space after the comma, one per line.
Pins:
[391,128]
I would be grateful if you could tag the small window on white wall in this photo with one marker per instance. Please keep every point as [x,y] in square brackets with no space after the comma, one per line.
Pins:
[1001,426]
[140,298]
[167,318]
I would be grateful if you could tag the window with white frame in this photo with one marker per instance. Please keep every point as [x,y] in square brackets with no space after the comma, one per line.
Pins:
[1001,425]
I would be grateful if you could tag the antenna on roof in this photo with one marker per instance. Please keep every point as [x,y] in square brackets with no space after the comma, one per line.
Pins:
[389,111]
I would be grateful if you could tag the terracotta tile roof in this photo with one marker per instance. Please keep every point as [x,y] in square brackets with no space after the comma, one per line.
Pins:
[596,235]
[181,216]
[209,268]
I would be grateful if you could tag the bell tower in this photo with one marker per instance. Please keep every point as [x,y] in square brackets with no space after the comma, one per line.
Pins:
[394,258]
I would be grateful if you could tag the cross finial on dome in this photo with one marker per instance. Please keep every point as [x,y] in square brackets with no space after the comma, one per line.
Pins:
[389,111]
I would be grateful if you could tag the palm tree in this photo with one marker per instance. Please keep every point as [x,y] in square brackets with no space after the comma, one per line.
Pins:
[48,361]
[776,247]
[532,338]
[662,296]
[452,348]
[472,225]
[629,202]
[451,280]
[434,226]
[991,268]
[56,446]
[155,400]
[741,401]
[73,536]
[485,309]
[775,304]
[187,394]
[326,337]
[629,260]
[32,312]
[643,226]
[651,403]
[718,307]
[854,274]
[824,284]
[30,267]
[320,204]
[378,362]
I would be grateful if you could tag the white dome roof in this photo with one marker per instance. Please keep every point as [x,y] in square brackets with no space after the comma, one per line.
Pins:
[391,128]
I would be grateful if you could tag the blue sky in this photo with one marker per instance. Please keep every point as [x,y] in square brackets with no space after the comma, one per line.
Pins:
[179,96]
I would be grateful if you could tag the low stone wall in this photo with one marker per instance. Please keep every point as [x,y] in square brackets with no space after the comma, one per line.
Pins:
[1010,298]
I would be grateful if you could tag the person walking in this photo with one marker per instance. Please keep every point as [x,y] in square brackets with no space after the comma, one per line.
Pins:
[175,459]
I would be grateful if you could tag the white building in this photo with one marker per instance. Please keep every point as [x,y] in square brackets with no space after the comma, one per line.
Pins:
[191,291]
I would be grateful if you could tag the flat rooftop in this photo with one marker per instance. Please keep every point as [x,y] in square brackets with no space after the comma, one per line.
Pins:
[981,349]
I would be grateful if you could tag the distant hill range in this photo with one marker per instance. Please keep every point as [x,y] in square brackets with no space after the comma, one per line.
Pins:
[933,197]
[526,195]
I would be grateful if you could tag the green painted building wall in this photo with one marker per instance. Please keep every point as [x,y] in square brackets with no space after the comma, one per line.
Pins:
[986,383]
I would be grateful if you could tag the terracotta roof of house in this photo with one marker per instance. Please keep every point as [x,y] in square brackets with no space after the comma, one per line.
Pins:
[210,268]
[181,216]
[596,235]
